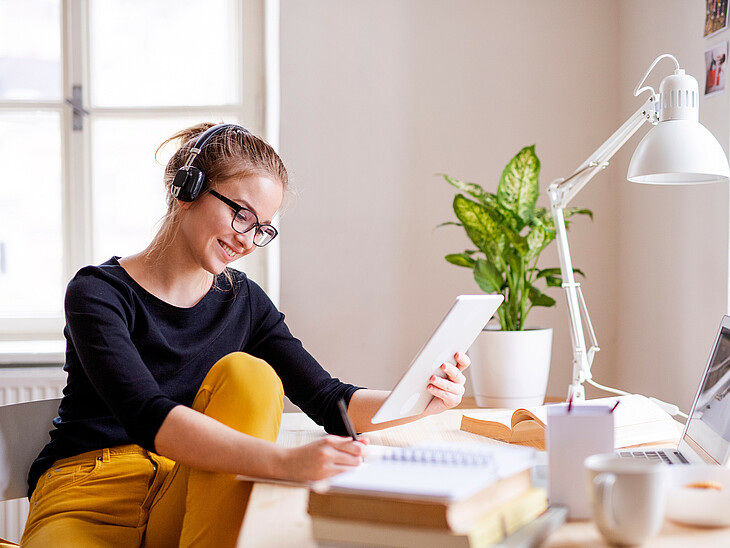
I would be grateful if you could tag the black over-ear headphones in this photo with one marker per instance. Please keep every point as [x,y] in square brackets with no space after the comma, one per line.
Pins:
[188,181]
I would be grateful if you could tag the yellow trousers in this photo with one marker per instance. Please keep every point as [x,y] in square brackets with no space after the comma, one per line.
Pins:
[127,496]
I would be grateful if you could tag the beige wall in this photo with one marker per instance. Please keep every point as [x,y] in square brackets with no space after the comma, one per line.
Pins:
[377,97]
[673,241]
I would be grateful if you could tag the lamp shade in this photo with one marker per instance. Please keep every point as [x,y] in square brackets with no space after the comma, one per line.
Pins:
[678,152]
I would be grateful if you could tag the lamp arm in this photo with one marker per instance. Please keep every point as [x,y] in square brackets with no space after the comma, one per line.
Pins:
[566,189]
[560,193]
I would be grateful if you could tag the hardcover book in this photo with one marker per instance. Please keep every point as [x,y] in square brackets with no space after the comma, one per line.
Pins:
[489,529]
[458,516]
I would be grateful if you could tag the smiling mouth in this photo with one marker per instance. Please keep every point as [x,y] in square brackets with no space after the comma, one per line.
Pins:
[227,249]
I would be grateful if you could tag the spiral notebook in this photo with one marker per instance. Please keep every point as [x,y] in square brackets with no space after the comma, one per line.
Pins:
[437,472]
[442,472]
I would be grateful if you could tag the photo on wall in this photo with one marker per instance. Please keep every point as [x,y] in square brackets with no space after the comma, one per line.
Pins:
[715,16]
[715,64]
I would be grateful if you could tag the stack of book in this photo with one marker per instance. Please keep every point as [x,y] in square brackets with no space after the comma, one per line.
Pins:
[431,496]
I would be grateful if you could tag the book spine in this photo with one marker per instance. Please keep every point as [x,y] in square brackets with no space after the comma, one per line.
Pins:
[492,528]
[339,532]
[508,518]
[368,509]
[457,516]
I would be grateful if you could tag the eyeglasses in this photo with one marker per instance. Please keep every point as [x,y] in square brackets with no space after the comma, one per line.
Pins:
[244,220]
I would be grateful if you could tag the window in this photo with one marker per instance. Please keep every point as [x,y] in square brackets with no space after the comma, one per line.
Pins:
[88,90]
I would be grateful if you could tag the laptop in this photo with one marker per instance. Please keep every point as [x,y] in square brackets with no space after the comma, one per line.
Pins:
[706,436]
[457,331]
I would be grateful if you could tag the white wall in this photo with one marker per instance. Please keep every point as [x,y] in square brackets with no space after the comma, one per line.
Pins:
[673,241]
[377,97]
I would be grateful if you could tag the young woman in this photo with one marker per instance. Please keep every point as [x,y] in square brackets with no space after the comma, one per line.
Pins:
[177,365]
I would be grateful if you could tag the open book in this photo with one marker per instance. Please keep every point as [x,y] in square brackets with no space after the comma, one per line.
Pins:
[637,420]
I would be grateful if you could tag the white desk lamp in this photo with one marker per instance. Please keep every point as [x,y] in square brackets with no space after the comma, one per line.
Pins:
[677,150]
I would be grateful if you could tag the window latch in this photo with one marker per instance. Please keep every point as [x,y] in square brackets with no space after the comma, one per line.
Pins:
[77,103]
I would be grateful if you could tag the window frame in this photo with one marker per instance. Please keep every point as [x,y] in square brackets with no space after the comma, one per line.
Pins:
[256,22]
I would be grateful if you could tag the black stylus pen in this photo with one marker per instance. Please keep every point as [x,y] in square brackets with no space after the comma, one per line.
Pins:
[346,419]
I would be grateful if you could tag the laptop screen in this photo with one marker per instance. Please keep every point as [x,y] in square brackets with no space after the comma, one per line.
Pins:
[708,426]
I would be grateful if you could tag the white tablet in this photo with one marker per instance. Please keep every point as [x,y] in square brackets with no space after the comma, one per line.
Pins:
[456,333]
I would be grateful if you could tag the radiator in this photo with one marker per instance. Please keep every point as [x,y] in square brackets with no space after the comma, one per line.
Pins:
[19,384]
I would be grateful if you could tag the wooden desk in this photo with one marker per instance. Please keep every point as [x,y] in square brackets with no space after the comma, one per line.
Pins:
[277,515]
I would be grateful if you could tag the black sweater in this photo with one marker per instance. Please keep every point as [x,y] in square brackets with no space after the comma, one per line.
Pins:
[131,358]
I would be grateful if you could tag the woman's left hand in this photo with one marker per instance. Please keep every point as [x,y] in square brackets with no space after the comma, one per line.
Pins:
[448,391]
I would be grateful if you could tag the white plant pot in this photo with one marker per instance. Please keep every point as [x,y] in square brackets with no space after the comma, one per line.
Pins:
[510,369]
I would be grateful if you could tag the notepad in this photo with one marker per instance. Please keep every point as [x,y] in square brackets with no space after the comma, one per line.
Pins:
[435,471]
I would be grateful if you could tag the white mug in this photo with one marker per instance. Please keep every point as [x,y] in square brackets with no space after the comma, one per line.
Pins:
[627,497]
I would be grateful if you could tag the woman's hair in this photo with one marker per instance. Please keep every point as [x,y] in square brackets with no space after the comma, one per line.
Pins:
[231,153]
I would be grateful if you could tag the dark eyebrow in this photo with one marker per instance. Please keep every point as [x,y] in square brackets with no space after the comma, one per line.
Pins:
[245,204]
[248,206]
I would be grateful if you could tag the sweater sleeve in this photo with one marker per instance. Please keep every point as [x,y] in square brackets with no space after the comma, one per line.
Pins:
[99,319]
[306,383]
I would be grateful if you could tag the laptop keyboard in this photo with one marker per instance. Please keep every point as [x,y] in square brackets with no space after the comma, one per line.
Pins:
[653,455]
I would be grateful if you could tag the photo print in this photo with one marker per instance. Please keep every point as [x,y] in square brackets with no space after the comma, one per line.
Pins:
[715,16]
[715,64]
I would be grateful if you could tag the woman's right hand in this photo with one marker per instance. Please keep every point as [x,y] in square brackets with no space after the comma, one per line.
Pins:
[323,458]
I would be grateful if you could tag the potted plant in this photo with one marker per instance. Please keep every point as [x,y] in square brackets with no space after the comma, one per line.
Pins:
[510,231]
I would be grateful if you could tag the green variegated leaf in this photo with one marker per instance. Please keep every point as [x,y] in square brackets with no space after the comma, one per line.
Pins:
[518,187]
[548,272]
[517,241]
[515,261]
[489,199]
[556,272]
[535,243]
[570,211]
[461,259]
[544,218]
[509,218]
[481,224]
[472,189]
[511,231]
[487,276]
[538,298]
[478,224]
[551,276]
[449,223]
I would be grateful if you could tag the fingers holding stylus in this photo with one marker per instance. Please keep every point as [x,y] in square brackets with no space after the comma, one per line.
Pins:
[323,458]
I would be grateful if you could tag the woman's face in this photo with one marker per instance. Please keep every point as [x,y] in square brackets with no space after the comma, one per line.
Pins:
[206,223]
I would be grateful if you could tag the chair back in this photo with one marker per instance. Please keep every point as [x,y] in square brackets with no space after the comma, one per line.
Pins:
[24,430]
